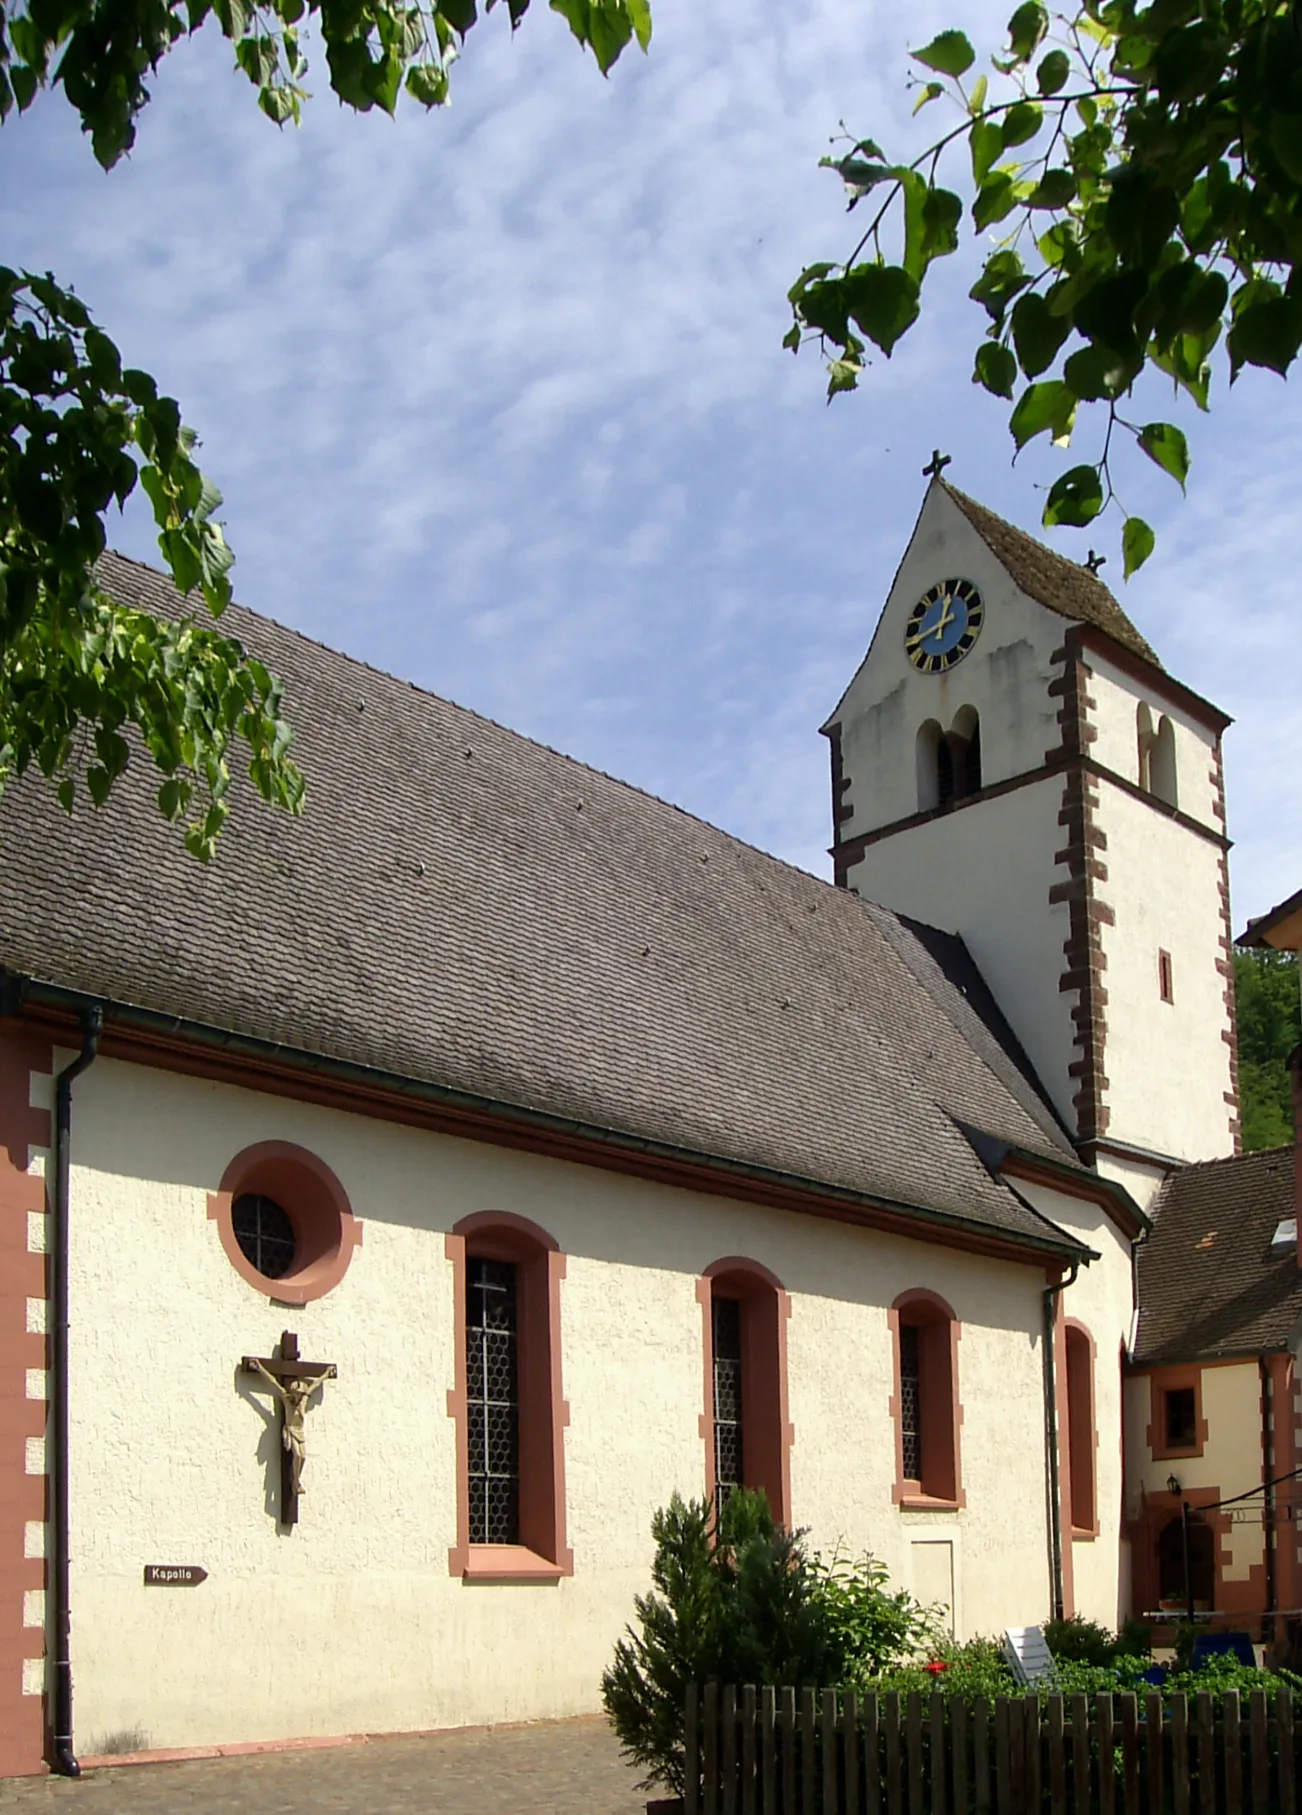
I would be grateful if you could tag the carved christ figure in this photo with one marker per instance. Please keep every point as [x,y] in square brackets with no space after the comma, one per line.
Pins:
[293,1381]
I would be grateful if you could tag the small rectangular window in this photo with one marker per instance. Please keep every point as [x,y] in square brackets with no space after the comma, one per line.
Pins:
[911,1401]
[727,1397]
[1164,981]
[492,1402]
[1181,1418]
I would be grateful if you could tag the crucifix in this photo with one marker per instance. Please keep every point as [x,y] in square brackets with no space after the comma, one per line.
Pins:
[937,466]
[293,1382]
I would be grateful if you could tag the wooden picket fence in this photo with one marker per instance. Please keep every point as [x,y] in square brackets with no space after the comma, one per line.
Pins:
[775,1752]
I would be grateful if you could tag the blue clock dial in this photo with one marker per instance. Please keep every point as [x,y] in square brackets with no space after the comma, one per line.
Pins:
[943,625]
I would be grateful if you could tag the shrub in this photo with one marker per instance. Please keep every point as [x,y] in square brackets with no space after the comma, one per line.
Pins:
[739,1600]
[972,1669]
[1080,1641]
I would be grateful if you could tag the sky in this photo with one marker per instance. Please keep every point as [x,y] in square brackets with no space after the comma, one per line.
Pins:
[497,400]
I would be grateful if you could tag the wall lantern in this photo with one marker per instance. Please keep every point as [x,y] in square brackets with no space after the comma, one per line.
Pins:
[1172,1484]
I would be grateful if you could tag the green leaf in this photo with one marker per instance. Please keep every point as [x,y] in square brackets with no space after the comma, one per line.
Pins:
[996,369]
[977,99]
[930,91]
[1054,190]
[883,299]
[1053,72]
[792,337]
[1025,30]
[1049,405]
[1020,123]
[995,200]
[428,84]
[1093,373]
[986,142]
[1137,544]
[1266,333]
[1037,334]
[949,54]
[639,11]
[1075,498]
[1002,277]
[1165,444]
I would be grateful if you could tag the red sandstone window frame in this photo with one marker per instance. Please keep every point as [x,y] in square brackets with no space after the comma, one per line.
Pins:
[325,1230]
[1162,1381]
[1082,1429]
[767,1431]
[543,1554]
[940,1407]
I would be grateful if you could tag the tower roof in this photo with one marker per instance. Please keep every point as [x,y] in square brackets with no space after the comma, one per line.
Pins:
[1064,586]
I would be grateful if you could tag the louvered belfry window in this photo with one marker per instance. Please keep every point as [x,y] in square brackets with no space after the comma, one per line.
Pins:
[910,1402]
[727,1397]
[492,1402]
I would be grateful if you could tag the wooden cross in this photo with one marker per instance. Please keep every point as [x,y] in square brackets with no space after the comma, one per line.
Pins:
[938,464]
[293,1382]
[1094,562]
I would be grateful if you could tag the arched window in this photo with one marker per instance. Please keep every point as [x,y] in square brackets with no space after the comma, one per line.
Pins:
[928,755]
[1156,756]
[1144,738]
[1163,769]
[745,1426]
[965,752]
[507,1404]
[1082,1436]
[925,1408]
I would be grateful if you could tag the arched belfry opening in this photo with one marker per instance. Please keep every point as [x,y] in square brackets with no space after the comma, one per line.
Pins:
[948,762]
[1157,774]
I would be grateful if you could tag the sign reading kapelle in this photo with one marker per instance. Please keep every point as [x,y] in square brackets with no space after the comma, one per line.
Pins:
[174,1575]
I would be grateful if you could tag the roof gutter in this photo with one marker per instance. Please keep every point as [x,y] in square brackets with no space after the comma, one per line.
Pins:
[147,1025]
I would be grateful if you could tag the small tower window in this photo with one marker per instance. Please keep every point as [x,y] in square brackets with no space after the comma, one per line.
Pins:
[944,773]
[964,743]
[1165,981]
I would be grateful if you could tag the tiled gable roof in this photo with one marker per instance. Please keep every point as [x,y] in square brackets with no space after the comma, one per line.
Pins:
[1064,586]
[1209,1284]
[465,908]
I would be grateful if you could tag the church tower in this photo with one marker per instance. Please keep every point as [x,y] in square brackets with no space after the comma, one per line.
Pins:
[1012,763]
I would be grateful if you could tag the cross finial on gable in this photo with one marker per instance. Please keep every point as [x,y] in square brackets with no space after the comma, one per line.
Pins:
[938,464]
[1094,562]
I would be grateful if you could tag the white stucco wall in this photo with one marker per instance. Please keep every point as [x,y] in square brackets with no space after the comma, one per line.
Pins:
[1101,1299]
[1005,677]
[986,872]
[1117,697]
[352,1622]
[1166,1063]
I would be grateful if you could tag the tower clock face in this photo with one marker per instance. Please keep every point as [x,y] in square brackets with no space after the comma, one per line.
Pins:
[943,626]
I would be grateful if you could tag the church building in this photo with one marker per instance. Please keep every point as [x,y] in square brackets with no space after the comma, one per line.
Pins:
[397,1211]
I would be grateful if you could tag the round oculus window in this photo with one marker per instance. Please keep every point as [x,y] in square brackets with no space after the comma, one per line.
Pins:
[265,1234]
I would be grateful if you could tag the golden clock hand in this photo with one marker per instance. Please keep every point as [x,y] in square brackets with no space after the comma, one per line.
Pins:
[946,618]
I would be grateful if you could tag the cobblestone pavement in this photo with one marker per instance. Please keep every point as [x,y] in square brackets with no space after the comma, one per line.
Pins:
[552,1768]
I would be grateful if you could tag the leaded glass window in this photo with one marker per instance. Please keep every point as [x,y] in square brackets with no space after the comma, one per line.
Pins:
[492,1402]
[910,1401]
[265,1234]
[727,1397]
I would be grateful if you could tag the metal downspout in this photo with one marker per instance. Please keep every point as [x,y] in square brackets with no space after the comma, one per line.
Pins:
[1269,1463]
[1051,1294]
[64,1760]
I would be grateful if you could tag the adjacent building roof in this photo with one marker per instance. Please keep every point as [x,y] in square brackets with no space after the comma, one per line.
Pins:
[1064,586]
[1281,927]
[1212,1280]
[466,908]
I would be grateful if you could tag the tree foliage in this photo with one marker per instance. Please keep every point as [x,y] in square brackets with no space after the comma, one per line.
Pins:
[1270,1026]
[1135,174]
[78,431]
[739,1600]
